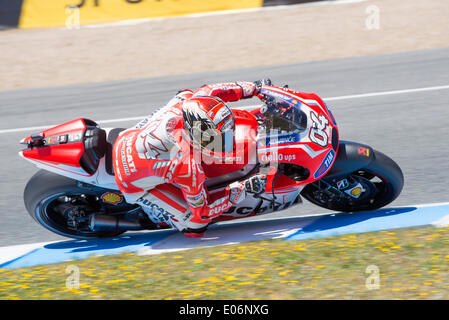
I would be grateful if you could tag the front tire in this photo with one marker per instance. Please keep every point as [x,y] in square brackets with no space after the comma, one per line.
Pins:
[382,181]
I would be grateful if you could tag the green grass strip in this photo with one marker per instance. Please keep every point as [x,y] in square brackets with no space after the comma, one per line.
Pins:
[401,264]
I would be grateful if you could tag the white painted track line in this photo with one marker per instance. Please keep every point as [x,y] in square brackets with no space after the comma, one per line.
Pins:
[53,125]
[346,97]
[11,252]
[386,93]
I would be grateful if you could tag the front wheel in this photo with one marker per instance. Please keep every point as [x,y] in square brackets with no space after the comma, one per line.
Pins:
[63,206]
[371,187]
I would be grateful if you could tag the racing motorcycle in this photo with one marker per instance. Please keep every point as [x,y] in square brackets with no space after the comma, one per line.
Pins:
[296,143]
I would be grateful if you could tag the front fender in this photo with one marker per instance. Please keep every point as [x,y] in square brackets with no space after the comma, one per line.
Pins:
[351,156]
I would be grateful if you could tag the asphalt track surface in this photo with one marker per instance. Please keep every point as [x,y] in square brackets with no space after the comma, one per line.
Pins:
[412,128]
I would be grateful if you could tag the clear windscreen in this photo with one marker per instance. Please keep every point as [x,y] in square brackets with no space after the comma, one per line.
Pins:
[284,116]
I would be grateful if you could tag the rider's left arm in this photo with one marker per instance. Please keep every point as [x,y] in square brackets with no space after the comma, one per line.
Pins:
[229,91]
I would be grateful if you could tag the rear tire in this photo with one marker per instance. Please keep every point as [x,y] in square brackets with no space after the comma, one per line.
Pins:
[42,198]
[382,180]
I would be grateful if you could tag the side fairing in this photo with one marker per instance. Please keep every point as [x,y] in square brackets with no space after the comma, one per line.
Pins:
[311,148]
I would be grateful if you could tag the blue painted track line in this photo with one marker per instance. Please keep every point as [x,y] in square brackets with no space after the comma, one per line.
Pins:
[290,228]
[383,219]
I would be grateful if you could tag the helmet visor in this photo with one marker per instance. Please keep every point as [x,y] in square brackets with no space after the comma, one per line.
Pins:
[216,140]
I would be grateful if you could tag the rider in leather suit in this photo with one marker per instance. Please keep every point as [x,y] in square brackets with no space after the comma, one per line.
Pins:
[156,162]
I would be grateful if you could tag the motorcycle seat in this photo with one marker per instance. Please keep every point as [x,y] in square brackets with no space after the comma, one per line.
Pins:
[110,139]
[94,147]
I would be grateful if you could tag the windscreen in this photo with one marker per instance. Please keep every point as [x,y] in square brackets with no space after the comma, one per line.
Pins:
[285,116]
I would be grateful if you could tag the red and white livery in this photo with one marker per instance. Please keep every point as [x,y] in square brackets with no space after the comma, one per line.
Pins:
[150,176]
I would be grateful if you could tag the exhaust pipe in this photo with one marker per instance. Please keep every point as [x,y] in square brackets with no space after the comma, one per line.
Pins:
[112,223]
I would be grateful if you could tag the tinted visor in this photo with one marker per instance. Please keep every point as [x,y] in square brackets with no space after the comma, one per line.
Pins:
[217,140]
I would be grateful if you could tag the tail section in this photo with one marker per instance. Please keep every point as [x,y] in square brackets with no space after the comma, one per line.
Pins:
[72,149]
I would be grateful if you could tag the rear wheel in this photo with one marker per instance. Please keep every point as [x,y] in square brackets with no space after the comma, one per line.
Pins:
[368,188]
[63,206]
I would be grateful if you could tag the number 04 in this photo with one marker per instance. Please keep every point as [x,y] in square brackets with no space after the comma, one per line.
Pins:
[317,132]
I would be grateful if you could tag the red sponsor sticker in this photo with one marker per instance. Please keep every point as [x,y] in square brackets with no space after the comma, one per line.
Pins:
[364,151]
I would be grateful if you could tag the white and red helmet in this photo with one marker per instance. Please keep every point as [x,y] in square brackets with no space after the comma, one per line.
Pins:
[210,123]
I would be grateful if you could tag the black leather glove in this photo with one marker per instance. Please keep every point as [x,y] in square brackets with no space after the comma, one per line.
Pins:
[260,83]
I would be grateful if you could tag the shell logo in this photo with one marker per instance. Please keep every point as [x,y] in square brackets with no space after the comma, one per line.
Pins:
[112,198]
[356,191]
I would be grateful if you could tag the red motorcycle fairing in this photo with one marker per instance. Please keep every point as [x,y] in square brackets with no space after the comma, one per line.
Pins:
[74,147]
[312,150]
[69,148]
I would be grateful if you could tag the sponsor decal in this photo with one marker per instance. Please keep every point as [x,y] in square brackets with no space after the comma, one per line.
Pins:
[155,211]
[342,184]
[111,198]
[275,157]
[127,158]
[245,211]
[226,159]
[194,167]
[363,151]
[325,165]
[219,209]
[356,191]
[232,159]
[292,101]
[63,138]
[278,140]
[171,125]
[52,140]
[222,114]
[317,133]
[73,137]
[195,201]
[283,97]
[273,94]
